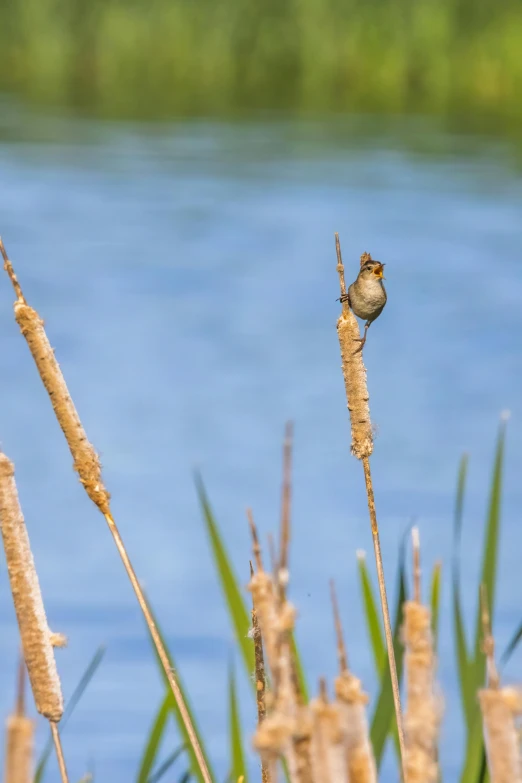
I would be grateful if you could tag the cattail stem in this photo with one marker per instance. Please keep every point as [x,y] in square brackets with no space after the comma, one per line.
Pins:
[19,737]
[27,598]
[501,710]
[260,679]
[59,752]
[424,705]
[87,465]
[354,373]
[385,609]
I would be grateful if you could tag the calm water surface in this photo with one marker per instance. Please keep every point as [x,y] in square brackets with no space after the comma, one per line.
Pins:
[187,277]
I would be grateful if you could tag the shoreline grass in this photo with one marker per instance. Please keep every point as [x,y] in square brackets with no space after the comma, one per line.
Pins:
[172,58]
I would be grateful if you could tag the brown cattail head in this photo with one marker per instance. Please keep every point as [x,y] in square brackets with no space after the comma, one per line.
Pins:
[19,749]
[352,703]
[30,612]
[424,702]
[86,461]
[501,707]
[365,257]
[354,373]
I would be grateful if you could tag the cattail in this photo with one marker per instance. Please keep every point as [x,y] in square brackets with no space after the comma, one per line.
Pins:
[260,675]
[354,373]
[86,461]
[352,701]
[424,705]
[87,465]
[501,707]
[19,738]
[29,607]
[328,747]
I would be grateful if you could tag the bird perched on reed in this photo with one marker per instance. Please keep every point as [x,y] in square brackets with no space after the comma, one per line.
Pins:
[367,295]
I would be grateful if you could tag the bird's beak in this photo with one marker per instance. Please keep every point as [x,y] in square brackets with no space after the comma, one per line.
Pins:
[380,272]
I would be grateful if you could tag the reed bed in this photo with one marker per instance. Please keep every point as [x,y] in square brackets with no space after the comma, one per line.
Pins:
[173,57]
[325,739]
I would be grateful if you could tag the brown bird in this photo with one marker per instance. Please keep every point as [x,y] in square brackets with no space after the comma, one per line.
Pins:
[367,295]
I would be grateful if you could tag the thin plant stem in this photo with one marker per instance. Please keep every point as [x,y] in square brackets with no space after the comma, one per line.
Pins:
[160,648]
[260,678]
[384,604]
[87,465]
[59,751]
[357,398]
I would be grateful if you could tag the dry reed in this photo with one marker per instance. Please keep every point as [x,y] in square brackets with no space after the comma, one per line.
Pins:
[501,707]
[27,598]
[86,463]
[354,373]
[329,761]
[352,702]
[259,673]
[19,738]
[424,707]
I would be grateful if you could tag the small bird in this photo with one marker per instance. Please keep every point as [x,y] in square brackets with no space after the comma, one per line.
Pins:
[367,295]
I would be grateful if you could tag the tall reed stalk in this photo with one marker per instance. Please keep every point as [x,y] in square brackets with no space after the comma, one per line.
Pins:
[19,744]
[37,640]
[424,704]
[354,373]
[87,465]
[501,712]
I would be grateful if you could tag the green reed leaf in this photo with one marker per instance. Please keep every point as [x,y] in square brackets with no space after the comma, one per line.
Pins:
[167,764]
[237,610]
[467,694]
[154,741]
[435,602]
[194,766]
[69,709]
[237,754]
[372,615]
[383,720]
[490,555]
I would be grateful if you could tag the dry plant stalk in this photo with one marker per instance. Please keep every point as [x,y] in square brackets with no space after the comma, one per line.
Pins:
[59,752]
[19,738]
[352,701]
[424,707]
[86,463]
[259,668]
[354,373]
[328,746]
[286,730]
[500,708]
[27,598]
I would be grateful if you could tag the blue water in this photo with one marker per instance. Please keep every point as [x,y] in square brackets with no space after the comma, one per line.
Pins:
[186,274]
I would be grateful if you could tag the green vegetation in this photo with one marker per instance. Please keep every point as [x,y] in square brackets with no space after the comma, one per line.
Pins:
[168,58]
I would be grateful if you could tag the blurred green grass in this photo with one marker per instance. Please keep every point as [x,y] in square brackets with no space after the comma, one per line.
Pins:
[167,58]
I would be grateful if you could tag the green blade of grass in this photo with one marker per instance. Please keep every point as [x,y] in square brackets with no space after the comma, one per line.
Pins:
[237,755]
[237,607]
[383,720]
[477,767]
[464,664]
[69,709]
[153,743]
[372,615]
[238,612]
[167,764]
[194,766]
[435,602]
[301,678]
[490,555]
